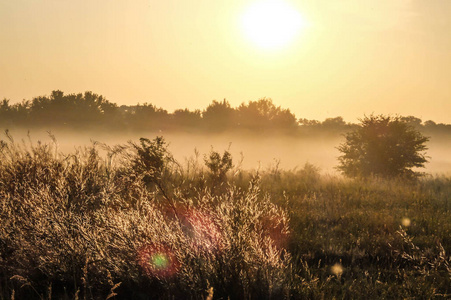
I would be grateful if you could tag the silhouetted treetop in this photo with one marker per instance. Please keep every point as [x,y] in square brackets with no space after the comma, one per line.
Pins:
[184,118]
[219,115]
[264,114]
[73,109]
[93,111]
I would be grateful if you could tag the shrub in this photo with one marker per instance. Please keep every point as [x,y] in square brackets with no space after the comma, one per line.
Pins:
[150,159]
[218,166]
[382,146]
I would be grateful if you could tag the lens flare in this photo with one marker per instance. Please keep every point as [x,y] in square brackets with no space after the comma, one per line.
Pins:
[200,227]
[405,222]
[203,231]
[160,261]
[337,269]
[157,260]
[276,228]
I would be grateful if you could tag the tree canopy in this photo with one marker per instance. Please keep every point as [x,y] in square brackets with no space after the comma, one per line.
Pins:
[92,111]
[383,146]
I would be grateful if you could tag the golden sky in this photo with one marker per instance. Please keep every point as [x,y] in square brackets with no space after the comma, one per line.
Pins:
[349,57]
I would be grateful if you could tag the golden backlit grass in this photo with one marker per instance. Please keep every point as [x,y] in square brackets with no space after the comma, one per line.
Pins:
[130,222]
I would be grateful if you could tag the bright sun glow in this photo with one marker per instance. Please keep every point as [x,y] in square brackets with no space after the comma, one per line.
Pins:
[272,24]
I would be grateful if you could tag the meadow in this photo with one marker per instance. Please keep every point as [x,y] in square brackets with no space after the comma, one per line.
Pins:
[129,221]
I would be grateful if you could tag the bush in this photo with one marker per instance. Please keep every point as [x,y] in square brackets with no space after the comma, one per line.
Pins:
[382,146]
[218,166]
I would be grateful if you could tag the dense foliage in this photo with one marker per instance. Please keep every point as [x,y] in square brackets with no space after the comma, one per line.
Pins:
[383,146]
[94,112]
[129,222]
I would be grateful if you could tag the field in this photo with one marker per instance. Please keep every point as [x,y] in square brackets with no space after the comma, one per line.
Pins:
[130,222]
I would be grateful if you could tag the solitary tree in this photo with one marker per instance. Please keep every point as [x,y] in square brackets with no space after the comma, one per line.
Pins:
[382,146]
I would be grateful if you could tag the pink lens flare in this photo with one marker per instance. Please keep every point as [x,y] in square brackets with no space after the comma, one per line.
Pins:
[158,260]
[276,228]
[200,227]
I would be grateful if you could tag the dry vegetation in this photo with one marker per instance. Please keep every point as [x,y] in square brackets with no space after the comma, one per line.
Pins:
[130,222]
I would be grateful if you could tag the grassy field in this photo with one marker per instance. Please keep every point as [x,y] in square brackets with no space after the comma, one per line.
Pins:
[130,222]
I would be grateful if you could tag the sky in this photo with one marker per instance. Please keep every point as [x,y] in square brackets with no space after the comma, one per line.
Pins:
[346,57]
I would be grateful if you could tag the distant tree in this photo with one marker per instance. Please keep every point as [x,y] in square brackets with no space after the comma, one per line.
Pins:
[413,121]
[436,128]
[74,110]
[11,115]
[334,123]
[4,105]
[5,112]
[219,115]
[382,146]
[184,118]
[15,114]
[148,116]
[430,123]
[263,114]
[307,122]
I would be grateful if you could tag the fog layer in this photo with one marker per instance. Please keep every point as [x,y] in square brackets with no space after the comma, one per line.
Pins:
[248,150]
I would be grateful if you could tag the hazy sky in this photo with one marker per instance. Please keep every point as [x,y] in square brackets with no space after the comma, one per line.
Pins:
[349,57]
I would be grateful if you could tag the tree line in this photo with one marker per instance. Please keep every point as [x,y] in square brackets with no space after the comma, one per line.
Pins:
[92,111]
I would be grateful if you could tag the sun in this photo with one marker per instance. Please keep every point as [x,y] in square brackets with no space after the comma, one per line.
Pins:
[271,24]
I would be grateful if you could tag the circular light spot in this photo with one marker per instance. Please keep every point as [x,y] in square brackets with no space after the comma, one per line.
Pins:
[271,24]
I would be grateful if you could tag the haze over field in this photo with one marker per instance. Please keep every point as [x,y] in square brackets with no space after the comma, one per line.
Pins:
[248,151]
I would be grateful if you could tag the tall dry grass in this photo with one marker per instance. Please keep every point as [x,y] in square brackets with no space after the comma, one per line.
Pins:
[81,223]
[130,222]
